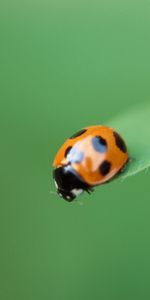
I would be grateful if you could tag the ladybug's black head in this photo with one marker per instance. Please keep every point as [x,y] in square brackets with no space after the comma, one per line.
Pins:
[68,183]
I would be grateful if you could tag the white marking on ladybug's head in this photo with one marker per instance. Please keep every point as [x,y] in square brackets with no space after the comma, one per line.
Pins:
[68,197]
[56,185]
[77,192]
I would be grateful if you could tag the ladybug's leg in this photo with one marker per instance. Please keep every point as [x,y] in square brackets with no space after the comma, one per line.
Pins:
[90,190]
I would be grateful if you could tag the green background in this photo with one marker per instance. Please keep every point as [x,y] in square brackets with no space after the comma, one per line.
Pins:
[65,65]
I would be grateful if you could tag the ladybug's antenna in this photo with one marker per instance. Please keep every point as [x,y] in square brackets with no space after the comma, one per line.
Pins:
[52,193]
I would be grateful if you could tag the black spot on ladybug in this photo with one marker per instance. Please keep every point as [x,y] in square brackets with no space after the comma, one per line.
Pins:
[78,133]
[67,151]
[105,167]
[120,142]
[99,144]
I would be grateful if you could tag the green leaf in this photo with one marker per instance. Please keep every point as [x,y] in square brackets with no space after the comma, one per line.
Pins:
[134,127]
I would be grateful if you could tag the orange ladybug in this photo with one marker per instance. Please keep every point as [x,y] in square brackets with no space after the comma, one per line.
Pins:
[90,157]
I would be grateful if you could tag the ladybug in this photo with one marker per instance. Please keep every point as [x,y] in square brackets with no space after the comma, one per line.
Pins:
[92,156]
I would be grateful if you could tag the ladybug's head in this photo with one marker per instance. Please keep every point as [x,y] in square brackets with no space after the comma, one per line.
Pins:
[68,183]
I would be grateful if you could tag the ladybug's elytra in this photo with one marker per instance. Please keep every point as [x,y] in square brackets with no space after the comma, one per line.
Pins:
[91,157]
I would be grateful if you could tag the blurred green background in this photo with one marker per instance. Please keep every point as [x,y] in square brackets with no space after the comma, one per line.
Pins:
[65,65]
